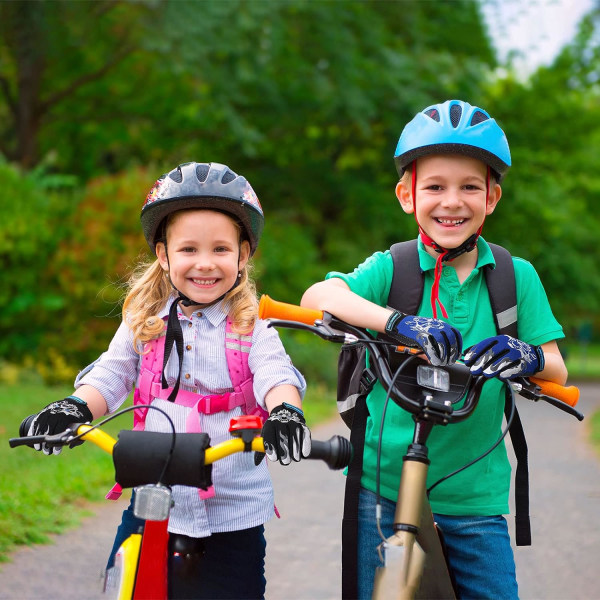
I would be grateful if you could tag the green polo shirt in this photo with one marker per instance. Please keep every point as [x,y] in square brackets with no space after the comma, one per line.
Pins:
[483,488]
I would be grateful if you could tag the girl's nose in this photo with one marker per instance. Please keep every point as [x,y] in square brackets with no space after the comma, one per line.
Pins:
[205,262]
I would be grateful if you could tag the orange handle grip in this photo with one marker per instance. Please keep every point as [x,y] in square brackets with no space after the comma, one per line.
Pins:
[568,395]
[272,309]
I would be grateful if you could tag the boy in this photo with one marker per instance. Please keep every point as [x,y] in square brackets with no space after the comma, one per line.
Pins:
[451,158]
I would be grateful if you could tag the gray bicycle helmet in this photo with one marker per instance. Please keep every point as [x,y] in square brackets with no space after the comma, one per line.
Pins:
[202,185]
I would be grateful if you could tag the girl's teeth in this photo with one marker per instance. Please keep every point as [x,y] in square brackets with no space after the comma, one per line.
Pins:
[204,281]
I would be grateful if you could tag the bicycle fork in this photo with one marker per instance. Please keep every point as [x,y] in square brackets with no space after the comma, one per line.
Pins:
[406,573]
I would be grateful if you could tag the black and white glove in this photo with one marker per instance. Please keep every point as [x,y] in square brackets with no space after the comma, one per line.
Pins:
[285,435]
[505,357]
[56,418]
[441,343]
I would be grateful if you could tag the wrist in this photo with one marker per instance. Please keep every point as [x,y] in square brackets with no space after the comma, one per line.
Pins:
[76,399]
[294,408]
[392,323]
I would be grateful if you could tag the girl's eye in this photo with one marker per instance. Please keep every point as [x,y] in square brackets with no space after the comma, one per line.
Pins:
[221,249]
[188,249]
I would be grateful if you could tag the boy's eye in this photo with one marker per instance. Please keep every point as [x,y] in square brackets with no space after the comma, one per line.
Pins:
[434,187]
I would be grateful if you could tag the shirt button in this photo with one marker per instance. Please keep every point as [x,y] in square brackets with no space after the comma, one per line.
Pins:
[189,325]
[198,314]
[188,347]
[187,375]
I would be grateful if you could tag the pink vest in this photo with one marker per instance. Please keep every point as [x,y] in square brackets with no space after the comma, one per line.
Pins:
[237,349]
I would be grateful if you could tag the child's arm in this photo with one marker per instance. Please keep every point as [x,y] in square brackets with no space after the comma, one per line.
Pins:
[335,297]
[93,398]
[283,393]
[440,341]
[554,368]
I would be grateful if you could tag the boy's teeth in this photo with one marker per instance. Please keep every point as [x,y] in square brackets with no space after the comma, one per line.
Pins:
[451,221]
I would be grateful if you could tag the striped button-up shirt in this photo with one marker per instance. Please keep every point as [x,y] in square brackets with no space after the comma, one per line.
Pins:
[244,494]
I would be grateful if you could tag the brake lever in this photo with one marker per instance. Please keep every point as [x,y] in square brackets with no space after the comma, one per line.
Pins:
[531,391]
[320,328]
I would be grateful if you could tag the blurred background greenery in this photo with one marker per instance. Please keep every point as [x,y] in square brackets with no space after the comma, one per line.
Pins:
[305,98]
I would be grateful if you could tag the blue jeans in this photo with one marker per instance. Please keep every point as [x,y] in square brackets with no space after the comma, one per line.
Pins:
[479,551]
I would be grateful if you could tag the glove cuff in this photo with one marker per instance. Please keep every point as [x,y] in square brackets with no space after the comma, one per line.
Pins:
[392,323]
[541,359]
[294,408]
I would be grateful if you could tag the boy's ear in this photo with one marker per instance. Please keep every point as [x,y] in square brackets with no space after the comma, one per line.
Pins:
[404,195]
[161,254]
[493,198]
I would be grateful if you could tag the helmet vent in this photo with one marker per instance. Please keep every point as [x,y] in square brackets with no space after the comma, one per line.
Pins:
[176,175]
[228,176]
[478,117]
[455,115]
[433,114]
[202,172]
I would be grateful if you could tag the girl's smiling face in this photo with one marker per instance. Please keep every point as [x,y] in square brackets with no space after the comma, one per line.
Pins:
[450,197]
[204,254]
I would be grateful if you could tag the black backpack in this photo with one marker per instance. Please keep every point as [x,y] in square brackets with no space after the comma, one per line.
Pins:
[355,381]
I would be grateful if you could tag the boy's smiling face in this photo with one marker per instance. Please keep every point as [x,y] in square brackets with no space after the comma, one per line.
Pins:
[450,197]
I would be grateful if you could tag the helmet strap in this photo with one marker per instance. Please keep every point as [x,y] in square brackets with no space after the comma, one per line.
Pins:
[445,254]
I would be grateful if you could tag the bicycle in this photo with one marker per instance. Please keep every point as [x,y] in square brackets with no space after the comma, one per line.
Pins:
[415,565]
[151,462]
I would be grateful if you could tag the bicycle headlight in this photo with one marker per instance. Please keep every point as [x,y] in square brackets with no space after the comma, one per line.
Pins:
[433,378]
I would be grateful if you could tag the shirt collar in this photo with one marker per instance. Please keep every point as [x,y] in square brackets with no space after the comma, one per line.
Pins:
[484,256]
[216,313]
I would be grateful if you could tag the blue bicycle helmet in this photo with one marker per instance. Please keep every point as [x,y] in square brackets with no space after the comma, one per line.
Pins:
[202,185]
[454,127]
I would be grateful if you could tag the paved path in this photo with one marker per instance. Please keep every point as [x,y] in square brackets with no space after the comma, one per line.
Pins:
[304,545]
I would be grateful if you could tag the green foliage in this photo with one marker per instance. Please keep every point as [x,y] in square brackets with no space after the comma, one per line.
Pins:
[32,225]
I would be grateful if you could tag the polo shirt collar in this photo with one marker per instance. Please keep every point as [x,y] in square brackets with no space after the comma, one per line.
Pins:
[484,256]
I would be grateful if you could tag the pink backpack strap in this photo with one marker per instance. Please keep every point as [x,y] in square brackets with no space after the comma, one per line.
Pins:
[237,351]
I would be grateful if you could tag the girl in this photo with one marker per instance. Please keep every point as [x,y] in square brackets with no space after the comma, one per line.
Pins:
[203,222]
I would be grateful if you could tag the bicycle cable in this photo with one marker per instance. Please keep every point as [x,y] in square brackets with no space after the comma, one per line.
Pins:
[491,449]
[379,444]
[129,409]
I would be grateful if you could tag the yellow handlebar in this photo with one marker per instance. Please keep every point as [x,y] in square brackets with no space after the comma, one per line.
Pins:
[212,454]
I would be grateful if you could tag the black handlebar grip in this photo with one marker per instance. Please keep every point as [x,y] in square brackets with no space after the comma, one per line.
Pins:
[336,452]
[26,424]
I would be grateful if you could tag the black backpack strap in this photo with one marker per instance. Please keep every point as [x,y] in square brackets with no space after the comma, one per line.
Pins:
[406,291]
[502,289]
[352,489]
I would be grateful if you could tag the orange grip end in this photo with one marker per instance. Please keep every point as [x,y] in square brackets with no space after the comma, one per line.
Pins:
[272,309]
[568,395]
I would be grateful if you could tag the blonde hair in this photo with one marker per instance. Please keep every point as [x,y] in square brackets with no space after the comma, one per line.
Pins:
[149,289]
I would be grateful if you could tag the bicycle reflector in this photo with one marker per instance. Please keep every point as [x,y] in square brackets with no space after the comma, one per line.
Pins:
[152,502]
[433,378]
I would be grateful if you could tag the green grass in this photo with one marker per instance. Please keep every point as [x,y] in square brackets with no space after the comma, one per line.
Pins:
[39,494]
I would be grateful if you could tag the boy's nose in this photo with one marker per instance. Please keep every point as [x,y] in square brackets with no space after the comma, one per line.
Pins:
[452,198]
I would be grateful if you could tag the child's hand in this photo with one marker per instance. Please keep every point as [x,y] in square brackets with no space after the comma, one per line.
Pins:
[56,417]
[505,357]
[441,342]
[285,434]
